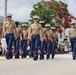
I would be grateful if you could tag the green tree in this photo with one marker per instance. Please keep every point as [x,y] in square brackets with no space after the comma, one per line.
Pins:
[53,12]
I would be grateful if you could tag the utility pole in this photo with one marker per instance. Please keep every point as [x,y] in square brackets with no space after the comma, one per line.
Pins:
[5,11]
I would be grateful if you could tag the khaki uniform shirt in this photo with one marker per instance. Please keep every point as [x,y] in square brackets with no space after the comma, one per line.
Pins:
[35,29]
[9,27]
[55,37]
[72,33]
[17,32]
[24,34]
[43,34]
[49,35]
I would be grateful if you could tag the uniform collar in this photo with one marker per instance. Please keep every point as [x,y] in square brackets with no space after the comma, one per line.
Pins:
[35,24]
[25,30]
[9,22]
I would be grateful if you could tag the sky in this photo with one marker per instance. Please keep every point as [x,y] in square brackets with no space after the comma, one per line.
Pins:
[21,8]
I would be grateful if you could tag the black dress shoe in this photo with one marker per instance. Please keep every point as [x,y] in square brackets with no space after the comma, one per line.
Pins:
[31,56]
[35,58]
[48,57]
[52,57]
[23,57]
[8,57]
[73,58]
[41,58]
[16,57]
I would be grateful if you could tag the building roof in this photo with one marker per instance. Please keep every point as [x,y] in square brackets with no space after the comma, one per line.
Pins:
[1,17]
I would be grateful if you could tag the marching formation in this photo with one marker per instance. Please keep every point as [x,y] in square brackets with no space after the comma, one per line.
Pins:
[40,37]
[37,36]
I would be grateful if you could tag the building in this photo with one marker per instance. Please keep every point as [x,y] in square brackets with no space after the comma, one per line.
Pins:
[1,20]
[61,36]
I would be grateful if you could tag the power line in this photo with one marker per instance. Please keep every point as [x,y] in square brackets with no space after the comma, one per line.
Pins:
[22,4]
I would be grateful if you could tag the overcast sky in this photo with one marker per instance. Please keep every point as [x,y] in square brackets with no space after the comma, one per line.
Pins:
[22,8]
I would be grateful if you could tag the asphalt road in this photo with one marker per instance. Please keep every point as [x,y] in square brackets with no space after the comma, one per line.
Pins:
[61,65]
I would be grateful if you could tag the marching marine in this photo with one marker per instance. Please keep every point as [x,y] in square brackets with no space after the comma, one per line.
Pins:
[9,27]
[24,41]
[72,38]
[17,33]
[42,40]
[49,36]
[34,36]
[55,42]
